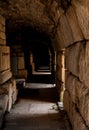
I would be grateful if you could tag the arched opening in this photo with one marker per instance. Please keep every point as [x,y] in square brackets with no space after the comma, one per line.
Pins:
[48,46]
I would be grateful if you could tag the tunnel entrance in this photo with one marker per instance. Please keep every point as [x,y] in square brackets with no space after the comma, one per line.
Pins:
[32,55]
[33,59]
[34,66]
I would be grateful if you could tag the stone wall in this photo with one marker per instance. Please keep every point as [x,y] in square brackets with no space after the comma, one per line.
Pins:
[8,90]
[18,62]
[73,35]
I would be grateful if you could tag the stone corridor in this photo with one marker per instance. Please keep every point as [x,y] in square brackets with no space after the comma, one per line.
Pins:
[51,37]
[37,109]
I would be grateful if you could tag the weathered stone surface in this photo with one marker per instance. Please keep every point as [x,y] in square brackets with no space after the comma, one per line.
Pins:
[9,88]
[2,31]
[84,64]
[71,87]
[73,23]
[1,117]
[79,95]
[2,41]
[2,20]
[78,122]
[82,2]
[82,14]
[2,28]
[21,62]
[10,93]
[4,76]
[59,87]
[2,35]
[59,66]
[83,106]
[66,101]
[14,96]
[59,74]
[4,58]
[22,73]
[64,33]
[27,13]
[15,91]
[3,102]
[72,58]
[3,90]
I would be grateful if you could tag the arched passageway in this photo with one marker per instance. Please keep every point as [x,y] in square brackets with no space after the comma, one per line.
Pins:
[37,106]
[46,42]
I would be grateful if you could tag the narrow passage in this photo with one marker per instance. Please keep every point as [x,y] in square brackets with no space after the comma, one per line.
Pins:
[37,109]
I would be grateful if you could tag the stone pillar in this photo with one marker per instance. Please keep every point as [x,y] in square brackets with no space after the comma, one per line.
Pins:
[60,73]
[63,74]
[32,62]
[18,62]
[50,55]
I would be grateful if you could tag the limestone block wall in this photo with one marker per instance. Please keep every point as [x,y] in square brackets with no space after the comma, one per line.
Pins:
[73,35]
[18,62]
[2,31]
[8,90]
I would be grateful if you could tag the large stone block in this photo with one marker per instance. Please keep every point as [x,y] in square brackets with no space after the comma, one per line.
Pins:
[64,33]
[3,102]
[73,22]
[1,118]
[66,101]
[15,91]
[78,122]
[9,88]
[14,96]
[82,13]
[4,76]
[2,20]
[72,58]
[2,28]
[77,61]
[22,73]
[71,87]
[2,31]
[2,41]
[4,58]
[79,95]
[2,35]
[83,106]
[21,62]
[75,117]
[84,64]
[10,94]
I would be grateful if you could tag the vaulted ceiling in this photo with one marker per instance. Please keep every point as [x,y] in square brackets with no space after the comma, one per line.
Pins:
[41,14]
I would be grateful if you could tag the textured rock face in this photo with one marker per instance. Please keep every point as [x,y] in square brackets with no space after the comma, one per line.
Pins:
[67,22]
[42,15]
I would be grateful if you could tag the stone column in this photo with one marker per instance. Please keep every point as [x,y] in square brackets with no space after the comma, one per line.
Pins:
[60,73]
[32,62]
